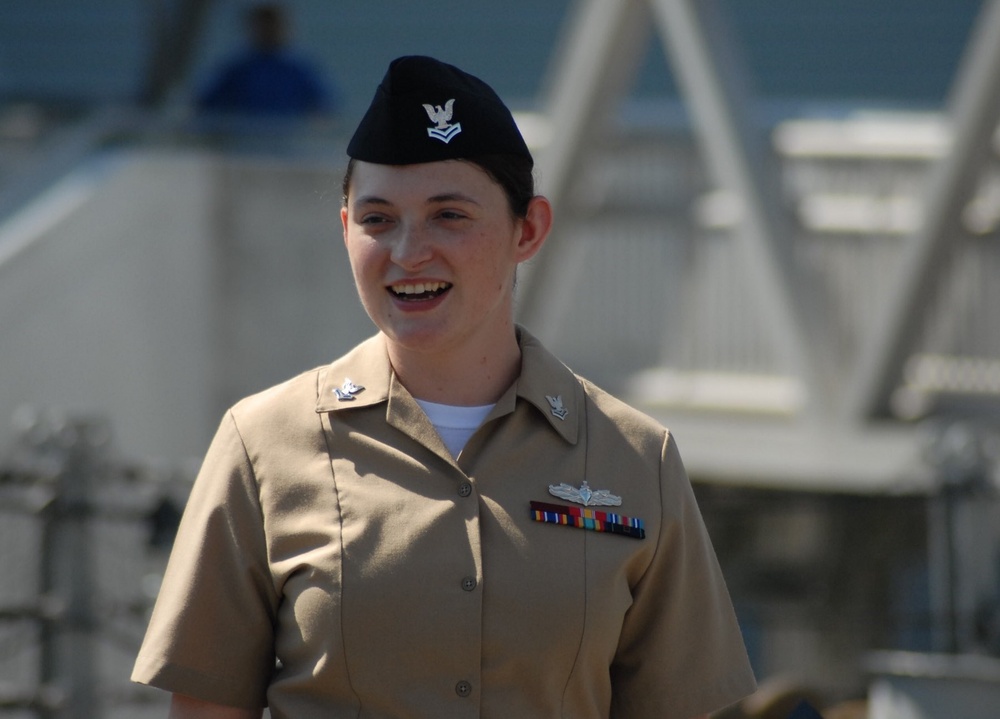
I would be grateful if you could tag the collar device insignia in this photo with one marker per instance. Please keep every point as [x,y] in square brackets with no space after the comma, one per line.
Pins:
[348,391]
[558,409]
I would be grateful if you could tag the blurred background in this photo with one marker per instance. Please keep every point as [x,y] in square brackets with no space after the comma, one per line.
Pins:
[777,232]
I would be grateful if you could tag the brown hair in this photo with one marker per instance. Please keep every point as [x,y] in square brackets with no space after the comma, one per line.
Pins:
[512,172]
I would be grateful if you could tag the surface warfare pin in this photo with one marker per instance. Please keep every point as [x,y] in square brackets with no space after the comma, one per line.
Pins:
[347,392]
[440,116]
[584,517]
[585,495]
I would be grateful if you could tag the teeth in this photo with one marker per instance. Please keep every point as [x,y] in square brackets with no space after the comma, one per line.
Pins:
[419,288]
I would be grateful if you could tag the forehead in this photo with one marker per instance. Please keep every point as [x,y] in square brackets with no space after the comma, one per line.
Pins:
[421,181]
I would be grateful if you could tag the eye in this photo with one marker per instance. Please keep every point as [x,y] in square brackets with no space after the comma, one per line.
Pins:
[373,219]
[452,215]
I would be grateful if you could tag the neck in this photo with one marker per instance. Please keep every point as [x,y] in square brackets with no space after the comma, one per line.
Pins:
[471,376]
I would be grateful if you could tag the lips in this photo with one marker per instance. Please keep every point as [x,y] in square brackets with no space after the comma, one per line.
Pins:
[419,291]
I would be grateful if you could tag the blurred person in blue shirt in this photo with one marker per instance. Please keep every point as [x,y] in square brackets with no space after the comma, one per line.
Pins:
[268,79]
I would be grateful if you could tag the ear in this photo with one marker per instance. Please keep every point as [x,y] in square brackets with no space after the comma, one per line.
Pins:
[535,228]
[343,221]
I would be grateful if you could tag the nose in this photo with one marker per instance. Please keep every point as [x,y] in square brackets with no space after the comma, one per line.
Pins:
[412,248]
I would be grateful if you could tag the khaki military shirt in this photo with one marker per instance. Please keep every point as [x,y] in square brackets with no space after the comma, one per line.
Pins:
[334,560]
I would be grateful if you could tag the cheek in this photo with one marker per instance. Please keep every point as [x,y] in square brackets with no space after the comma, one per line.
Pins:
[361,252]
[365,263]
[496,254]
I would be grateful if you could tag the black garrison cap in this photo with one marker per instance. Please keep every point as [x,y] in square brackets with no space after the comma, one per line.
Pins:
[426,110]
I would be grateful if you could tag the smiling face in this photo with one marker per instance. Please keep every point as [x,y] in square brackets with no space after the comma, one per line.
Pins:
[434,248]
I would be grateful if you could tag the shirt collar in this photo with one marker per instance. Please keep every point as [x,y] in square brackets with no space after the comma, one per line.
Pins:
[367,368]
[548,385]
[544,382]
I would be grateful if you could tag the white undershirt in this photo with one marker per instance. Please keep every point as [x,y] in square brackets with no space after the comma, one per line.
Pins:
[453,423]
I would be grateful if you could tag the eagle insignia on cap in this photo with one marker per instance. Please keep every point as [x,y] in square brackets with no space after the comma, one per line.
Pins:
[440,117]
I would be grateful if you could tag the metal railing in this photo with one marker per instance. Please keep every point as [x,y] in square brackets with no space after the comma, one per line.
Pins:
[83,539]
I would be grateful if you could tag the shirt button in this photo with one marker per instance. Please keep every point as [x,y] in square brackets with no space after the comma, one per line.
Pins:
[463,688]
[469,583]
[464,489]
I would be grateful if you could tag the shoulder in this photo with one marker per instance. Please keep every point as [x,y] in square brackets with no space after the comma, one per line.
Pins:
[293,61]
[608,418]
[280,408]
[611,411]
[626,441]
[296,403]
[236,64]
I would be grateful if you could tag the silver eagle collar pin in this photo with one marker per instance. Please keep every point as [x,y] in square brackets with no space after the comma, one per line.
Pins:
[585,495]
[348,391]
[556,404]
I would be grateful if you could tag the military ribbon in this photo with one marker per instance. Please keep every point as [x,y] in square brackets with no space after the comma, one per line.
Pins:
[587,518]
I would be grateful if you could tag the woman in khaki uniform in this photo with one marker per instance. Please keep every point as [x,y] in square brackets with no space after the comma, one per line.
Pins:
[445,522]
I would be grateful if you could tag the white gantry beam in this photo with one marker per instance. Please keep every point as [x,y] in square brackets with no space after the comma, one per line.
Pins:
[590,78]
[973,115]
[594,72]
[712,77]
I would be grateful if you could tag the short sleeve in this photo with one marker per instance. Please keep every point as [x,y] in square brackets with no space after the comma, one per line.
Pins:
[681,652]
[211,635]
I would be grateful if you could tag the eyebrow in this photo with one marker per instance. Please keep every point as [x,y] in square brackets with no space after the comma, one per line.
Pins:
[452,197]
[370,200]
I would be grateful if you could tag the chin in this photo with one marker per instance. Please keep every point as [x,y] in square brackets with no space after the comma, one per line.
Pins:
[415,336]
